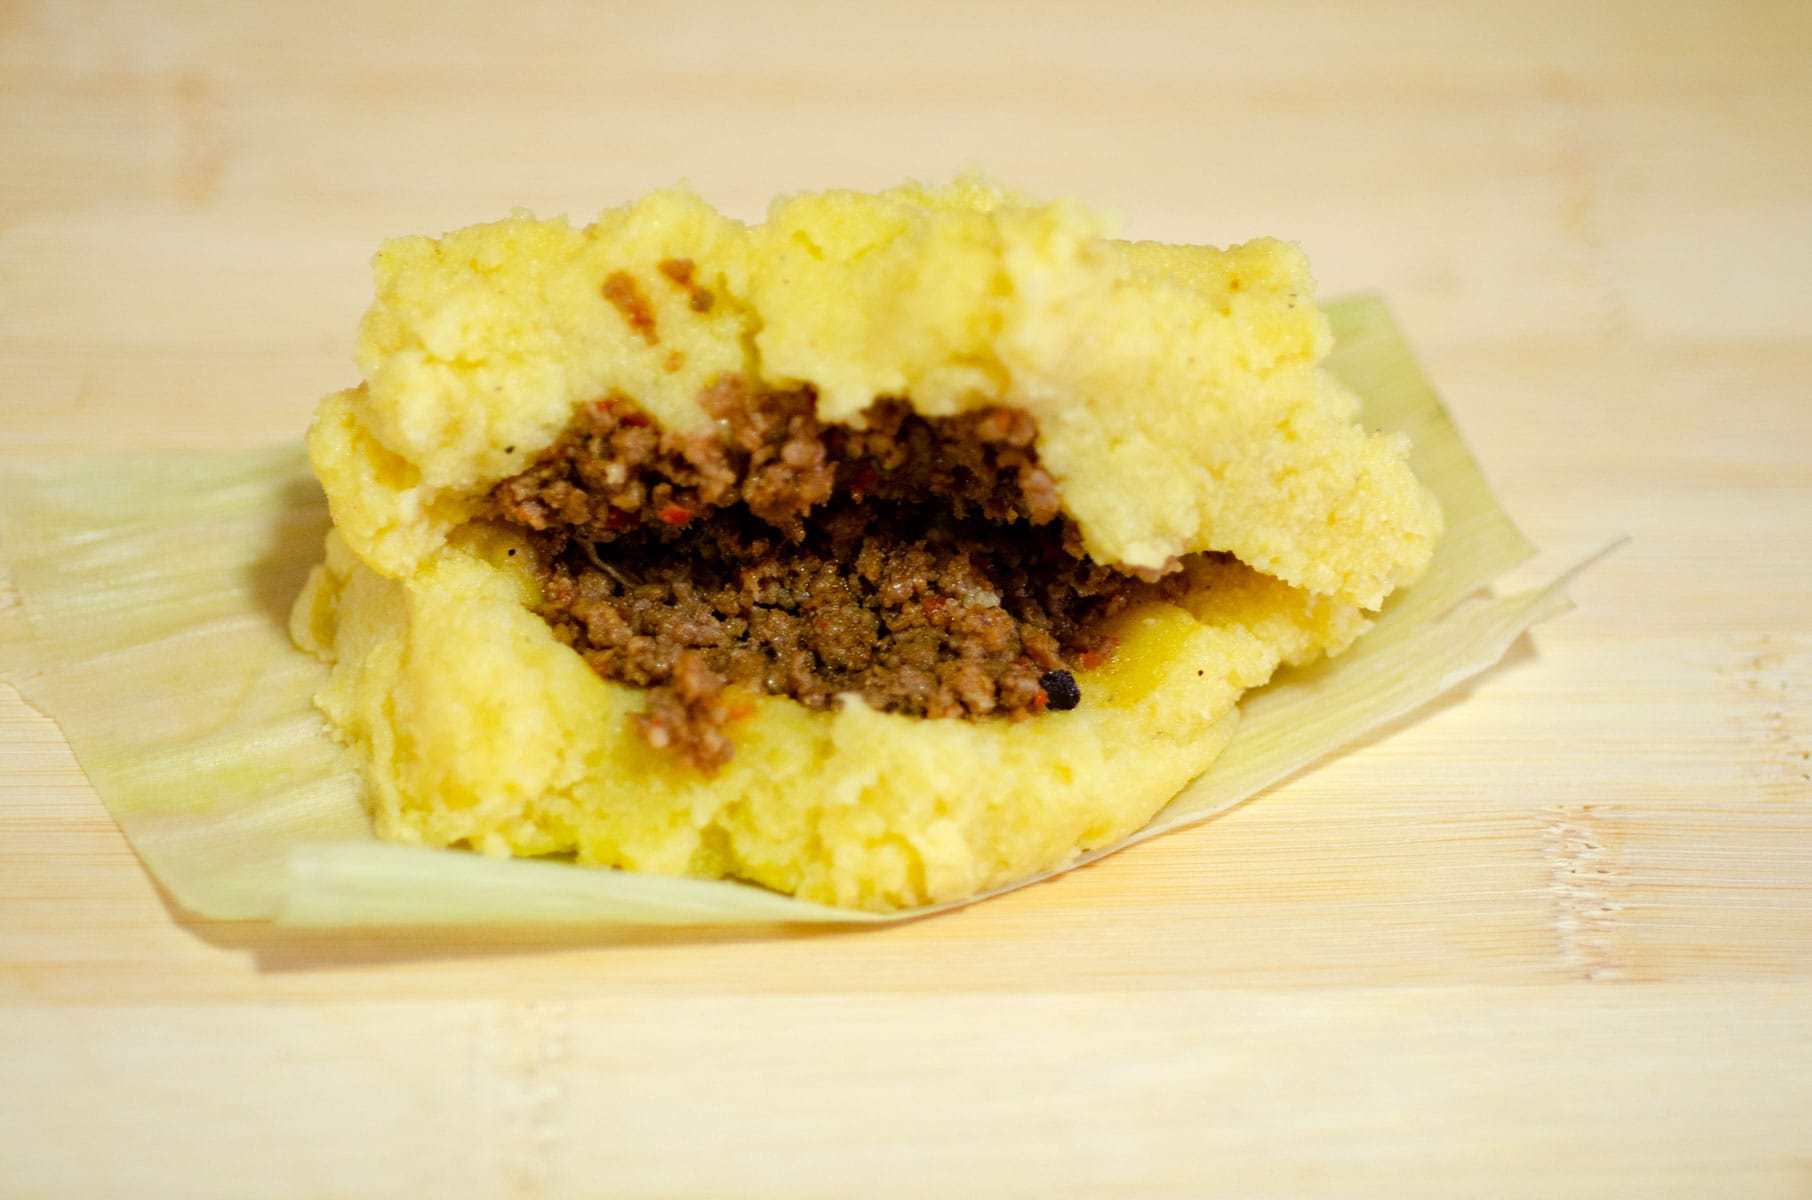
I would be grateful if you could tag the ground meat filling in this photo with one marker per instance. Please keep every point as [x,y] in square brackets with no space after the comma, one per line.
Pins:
[922,563]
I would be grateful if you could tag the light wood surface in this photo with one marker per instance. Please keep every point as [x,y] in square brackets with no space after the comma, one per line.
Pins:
[1553,938]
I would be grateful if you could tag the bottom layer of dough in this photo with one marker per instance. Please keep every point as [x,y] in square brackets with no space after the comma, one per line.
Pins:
[477,728]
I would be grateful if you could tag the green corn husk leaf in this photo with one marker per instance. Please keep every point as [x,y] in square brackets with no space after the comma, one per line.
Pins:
[148,618]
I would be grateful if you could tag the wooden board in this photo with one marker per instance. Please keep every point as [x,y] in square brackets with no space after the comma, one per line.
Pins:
[1553,938]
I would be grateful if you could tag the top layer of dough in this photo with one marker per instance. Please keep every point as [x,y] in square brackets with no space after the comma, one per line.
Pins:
[1177,391]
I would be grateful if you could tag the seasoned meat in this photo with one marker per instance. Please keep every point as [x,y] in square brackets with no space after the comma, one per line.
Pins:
[924,564]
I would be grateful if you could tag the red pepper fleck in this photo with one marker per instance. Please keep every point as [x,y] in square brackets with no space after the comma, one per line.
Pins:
[618,518]
[673,514]
[862,480]
[634,418]
[1088,660]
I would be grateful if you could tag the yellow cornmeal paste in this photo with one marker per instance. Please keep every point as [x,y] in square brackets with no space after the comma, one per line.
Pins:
[1180,409]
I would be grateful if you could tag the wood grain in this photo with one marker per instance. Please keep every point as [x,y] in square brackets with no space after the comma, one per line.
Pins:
[1552,938]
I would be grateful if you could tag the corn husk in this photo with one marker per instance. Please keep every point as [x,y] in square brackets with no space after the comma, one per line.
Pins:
[145,612]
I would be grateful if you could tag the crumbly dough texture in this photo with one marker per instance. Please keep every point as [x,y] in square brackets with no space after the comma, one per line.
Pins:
[1180,408]
[1177,392]
[479,729]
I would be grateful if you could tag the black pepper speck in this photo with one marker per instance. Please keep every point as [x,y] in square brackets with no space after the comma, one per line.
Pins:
[1060,688]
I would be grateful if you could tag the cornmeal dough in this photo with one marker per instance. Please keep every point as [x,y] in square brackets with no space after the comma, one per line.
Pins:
[883,553]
